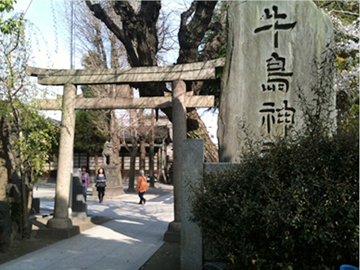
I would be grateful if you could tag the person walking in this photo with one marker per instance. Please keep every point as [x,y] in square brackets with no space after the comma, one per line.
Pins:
[142,186]
[100,184]
[85,181]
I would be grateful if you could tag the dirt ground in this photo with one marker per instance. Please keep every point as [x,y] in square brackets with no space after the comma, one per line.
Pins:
[23,247]
[167,257]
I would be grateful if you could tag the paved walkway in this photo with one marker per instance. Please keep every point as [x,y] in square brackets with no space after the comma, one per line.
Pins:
[126,242]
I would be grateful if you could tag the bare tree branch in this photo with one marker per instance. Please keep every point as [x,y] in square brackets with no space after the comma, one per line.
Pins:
[100,13]
[192,33]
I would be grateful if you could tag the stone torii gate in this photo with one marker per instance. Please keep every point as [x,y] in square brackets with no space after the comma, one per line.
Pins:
[180,100]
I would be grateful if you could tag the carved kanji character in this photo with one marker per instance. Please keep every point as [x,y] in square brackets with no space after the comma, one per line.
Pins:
[285,115]
[275,69]
[268,118]
[276,25]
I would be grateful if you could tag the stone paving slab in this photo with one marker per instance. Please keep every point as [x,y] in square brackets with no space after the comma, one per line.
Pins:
[126,242]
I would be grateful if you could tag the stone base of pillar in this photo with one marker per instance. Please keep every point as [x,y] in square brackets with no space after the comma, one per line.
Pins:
[59,223]
[58,234]
[173,234]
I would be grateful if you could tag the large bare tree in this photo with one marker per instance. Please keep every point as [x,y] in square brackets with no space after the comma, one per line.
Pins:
[138,32]
[102,50]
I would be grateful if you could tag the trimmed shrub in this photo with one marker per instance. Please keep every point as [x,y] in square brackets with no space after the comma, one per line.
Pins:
[296,207]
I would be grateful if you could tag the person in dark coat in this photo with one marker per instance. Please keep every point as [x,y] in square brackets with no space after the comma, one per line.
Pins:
[100,184]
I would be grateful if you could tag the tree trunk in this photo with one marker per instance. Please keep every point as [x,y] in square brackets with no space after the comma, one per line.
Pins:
[133,150]
[142,138]
[29,201]
[151,164]
[114,91]
[142,153]
[96,163]
[152,150]
[114,139]
[133,155]
[30,194]
[25,216]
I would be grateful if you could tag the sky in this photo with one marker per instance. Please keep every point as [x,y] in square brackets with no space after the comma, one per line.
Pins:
[51,47]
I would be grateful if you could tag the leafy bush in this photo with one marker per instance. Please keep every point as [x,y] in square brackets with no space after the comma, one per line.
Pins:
[296,207]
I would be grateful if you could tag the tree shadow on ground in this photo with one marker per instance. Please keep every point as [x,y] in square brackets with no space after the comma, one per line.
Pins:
[22,247]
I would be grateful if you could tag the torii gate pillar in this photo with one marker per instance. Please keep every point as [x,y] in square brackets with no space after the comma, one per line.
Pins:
[179,135]
[61,218]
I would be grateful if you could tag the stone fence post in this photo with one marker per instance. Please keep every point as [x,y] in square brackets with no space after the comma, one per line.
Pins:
[191,239]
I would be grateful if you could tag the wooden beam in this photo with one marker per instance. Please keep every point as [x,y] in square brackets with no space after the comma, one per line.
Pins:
[186,72]
[127,103]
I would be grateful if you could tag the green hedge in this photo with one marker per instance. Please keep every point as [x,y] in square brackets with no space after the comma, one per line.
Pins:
[295,207]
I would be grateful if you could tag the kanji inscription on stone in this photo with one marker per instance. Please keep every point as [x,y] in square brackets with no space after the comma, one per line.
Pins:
[275,25]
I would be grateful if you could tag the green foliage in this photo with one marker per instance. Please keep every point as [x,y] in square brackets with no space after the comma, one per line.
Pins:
[297,206]
[9,25]
[88,137]
[39,137]
[13,55]
[352,120]
[31,137]
[348,111]
[6,5]
[34,138]
[92,127]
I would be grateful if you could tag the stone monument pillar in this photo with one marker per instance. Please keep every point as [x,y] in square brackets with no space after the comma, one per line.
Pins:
[271,50]
[63,178]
